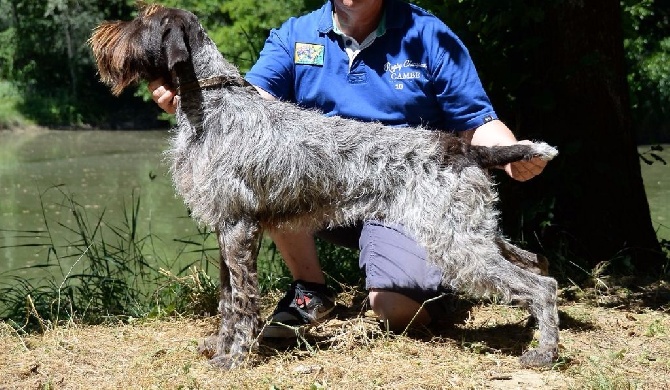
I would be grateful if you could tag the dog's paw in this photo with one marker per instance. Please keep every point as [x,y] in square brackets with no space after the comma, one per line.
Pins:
[539,357]
[227,361]
[207,347]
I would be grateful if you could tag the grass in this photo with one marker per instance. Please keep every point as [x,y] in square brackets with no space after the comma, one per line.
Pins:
[98,272]
[601,348]
[113,315]
[10,99]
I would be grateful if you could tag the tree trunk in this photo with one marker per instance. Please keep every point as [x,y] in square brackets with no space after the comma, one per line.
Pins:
[600,210]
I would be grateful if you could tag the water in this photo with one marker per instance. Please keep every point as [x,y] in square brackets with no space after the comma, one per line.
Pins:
[657,186]
[101,170]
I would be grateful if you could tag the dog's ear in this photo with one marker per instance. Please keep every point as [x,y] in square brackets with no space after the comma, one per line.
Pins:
[174,46]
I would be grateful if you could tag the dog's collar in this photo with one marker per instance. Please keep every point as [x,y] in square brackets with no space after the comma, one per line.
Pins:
[211,82]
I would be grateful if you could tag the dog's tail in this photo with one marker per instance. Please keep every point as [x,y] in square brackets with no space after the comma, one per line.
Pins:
[496,156]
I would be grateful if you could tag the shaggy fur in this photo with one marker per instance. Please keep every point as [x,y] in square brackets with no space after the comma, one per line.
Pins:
[243,164]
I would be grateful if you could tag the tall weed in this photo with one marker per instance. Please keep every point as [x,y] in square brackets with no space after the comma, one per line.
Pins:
[92,272]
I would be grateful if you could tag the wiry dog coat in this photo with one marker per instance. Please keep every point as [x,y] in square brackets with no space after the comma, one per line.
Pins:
[243,163]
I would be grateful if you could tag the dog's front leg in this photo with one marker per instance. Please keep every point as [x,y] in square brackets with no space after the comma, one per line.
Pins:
[238,243]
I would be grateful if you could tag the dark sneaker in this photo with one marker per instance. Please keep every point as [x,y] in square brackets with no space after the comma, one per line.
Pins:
[304,304]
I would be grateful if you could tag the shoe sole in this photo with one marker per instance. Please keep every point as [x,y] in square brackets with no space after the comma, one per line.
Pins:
[281,331]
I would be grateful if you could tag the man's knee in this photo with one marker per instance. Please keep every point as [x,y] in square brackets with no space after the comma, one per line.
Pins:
[398,311]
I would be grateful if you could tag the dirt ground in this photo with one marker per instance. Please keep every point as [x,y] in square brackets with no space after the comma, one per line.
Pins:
[608,341]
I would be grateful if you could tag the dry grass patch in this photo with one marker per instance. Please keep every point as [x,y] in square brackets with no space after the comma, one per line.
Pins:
[602,348]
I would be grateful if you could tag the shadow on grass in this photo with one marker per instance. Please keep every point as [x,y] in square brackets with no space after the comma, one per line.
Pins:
[509,339]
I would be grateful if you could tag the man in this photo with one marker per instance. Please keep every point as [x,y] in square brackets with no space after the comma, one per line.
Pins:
[371,60]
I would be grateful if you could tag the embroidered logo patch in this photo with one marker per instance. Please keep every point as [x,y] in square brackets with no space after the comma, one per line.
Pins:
[308,54]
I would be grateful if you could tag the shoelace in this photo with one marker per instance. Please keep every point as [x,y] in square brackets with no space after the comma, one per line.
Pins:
[301,299]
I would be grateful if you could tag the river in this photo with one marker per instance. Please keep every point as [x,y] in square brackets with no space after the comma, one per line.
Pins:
[103,171]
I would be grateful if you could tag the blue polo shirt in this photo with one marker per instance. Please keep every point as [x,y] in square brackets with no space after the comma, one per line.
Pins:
[415,72]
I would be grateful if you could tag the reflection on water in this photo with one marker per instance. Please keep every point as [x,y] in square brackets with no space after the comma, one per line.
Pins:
[100,169]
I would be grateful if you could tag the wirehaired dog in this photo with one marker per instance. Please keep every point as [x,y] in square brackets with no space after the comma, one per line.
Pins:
[243,164]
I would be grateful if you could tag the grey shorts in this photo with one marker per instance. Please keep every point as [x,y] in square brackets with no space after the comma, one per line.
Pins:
[390,259]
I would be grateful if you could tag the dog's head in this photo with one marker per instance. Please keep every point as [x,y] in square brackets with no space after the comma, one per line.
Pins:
[145,48]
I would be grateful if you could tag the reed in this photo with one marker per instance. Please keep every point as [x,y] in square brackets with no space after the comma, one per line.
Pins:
[95,271]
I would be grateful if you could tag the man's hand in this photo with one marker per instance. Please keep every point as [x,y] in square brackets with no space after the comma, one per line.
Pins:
[496,133]
[525,170]
[166,98]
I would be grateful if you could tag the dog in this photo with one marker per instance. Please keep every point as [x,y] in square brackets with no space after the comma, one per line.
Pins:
[243,164]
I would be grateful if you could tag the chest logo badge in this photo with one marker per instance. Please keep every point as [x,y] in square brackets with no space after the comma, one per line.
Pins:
[309,54]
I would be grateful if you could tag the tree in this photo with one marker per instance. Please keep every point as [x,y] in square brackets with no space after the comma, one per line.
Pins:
[51,63]
[605,212]
[556,71]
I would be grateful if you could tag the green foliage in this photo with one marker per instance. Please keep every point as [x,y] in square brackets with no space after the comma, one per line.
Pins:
[647,44]
[55,107]
[7,52]
[44,53]
[240,27]
[339,264]
[502,39]
[52,34]
[10,99]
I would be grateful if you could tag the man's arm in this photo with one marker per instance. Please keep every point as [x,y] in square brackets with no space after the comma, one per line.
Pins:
[168,99]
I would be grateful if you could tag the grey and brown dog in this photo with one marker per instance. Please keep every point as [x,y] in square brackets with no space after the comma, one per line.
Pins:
[243,164]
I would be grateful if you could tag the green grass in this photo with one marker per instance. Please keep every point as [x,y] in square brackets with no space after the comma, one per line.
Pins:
[10,99]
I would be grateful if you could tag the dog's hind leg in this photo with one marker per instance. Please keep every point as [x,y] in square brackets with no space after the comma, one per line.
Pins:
[527,260]
[539,293]
[238,243]
[544,308]
[488,272]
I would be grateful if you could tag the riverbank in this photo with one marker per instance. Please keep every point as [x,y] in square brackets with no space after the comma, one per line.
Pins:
[608,341]
[22,128]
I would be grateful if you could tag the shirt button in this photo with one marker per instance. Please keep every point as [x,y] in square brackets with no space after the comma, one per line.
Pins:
[348,42]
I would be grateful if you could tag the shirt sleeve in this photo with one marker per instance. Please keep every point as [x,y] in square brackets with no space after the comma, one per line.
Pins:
[459,90]
[274,71]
